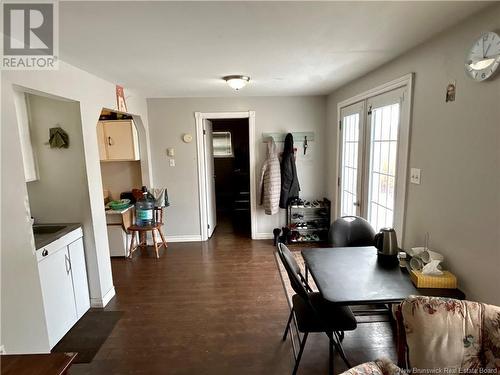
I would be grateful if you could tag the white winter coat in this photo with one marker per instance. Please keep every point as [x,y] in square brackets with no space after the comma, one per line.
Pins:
[270,181]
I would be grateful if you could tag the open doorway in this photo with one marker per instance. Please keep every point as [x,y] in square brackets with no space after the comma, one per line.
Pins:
[121,175]
[232,175]
[231,194]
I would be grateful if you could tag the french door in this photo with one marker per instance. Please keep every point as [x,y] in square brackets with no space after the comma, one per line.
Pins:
[373,158]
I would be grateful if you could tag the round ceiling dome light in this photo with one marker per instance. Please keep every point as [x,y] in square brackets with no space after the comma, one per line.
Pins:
[236,81]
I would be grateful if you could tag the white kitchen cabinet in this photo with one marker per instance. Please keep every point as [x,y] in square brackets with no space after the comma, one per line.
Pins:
[118,241]
[58,295]
[79,274]
[63,277]
[118,140]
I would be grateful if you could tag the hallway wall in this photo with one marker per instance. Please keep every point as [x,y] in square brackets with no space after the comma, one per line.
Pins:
[169,118]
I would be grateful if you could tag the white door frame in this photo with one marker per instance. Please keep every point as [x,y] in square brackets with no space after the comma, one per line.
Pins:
[200,149]
[403,156]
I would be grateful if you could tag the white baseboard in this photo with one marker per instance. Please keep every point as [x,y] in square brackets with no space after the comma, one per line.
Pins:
[181,238]
[197,238]
[263,236]
[102,302]
[184,238]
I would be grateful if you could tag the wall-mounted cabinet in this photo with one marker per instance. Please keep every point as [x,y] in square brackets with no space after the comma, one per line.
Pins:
[118,140]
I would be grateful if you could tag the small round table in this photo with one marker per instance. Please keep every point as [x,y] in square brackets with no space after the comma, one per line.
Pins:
[142,231]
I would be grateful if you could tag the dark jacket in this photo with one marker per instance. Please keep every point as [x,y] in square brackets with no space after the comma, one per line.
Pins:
[289,181]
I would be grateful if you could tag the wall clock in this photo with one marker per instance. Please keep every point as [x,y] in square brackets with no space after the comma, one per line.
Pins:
[484,57]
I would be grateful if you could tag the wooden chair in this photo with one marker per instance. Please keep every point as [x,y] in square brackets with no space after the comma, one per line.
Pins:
[142,233]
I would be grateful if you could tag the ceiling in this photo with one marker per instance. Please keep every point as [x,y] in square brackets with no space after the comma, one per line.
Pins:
[181,49]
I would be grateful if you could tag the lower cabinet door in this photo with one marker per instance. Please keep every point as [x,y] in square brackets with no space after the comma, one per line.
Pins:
[58,296]
[79,272]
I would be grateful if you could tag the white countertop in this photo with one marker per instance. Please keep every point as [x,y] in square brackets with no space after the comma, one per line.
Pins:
[119,212]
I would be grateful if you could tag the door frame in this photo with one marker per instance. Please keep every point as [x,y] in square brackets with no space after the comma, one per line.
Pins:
[361,155]
[202,175]
[403,157]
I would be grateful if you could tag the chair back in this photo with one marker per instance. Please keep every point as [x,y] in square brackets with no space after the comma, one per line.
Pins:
[351,231]
[440,332]
[293,271]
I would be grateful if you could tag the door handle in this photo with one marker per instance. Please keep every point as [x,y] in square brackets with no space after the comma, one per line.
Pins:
[356,204]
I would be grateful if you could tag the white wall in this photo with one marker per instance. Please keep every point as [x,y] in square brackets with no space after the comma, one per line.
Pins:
[457,147]
[60,195]
[22,316]
[169,119]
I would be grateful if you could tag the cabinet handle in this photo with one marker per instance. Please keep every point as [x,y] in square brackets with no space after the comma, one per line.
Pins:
[110,141]
[67,263]
[45,253]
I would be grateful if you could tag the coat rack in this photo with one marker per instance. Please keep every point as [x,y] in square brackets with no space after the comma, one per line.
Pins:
[280,137]
[303,137]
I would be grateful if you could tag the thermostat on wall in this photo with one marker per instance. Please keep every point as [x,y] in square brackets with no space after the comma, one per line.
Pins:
[187,138]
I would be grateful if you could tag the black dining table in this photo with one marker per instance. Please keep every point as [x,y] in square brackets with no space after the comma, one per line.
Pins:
[358,276]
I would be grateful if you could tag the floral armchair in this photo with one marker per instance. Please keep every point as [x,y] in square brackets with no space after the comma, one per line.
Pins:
[440,333]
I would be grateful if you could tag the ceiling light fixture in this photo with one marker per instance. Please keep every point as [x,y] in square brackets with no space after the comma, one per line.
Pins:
[236,81]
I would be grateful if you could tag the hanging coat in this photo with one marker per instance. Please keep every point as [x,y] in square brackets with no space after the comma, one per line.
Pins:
[270,181]
[289,181]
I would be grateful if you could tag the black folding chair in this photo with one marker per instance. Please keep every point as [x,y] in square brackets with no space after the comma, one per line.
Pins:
[313,313]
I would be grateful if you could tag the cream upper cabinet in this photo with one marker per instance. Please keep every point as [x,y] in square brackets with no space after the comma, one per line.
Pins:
[118,140]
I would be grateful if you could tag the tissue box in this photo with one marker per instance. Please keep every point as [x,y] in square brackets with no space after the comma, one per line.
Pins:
[447,280]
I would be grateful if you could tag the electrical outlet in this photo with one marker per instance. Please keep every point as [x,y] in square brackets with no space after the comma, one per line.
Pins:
[415,176]
[171,162]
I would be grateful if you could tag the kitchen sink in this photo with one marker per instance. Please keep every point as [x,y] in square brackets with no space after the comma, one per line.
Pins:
[47,229]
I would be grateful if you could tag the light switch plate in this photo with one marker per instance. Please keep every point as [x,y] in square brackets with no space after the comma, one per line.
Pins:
[415,176]
[171,162]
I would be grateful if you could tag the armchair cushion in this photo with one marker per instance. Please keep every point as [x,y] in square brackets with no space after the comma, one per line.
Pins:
[377,367]
[453,334]
[491,337]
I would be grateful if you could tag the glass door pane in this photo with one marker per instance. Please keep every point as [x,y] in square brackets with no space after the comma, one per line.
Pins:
[350,159]
[384,120]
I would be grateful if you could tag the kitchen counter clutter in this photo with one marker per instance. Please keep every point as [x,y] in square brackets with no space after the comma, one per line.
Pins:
[63,276]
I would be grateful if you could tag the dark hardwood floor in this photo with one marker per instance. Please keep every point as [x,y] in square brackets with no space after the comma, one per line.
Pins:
[213,308]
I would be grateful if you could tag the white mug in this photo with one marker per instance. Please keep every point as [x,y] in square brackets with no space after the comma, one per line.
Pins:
[428,256]
[416,264]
